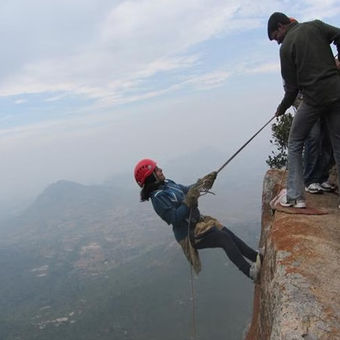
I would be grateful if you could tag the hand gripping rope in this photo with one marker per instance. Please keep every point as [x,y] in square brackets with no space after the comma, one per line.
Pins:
[204,191]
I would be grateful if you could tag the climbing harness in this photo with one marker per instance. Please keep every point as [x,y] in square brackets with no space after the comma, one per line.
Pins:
[203,191]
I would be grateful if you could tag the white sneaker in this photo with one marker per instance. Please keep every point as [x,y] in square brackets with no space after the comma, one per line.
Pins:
[255,268]
[258,262]
[261,250]
[295,204]
[314,188]
[326,186]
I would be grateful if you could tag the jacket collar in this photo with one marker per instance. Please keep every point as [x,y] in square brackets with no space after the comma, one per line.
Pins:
[289,27]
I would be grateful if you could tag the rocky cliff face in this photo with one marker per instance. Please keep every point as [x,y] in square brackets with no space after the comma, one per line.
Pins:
[299,293]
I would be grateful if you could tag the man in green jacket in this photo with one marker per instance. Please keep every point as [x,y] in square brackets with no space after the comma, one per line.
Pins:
[307,65]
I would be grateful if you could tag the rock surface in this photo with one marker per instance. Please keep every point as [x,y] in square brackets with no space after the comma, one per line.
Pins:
[299,293]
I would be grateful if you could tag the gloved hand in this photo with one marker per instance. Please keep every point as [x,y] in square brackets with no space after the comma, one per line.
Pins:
[191,197]
[209,180]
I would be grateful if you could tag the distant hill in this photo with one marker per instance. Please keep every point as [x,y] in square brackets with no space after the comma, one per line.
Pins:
[92,262]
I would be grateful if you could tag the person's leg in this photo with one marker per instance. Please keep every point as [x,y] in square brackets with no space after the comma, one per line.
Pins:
[215,238]
[326,156]
[311,155]
[333,124]
[245,250]
[304,119]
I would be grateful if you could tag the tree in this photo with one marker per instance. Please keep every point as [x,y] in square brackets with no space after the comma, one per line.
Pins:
[280,133]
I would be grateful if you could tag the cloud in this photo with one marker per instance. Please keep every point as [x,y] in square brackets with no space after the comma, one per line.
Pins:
[131,51]
[55,98]
[133,42]
[264,68]
[208,80]
[318,9]
[75,62]
[20,101]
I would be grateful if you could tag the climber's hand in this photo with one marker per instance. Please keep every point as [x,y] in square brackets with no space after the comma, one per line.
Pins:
[208,180]
[191,197]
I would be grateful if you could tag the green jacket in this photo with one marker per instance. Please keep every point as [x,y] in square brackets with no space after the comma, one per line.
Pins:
[308,65]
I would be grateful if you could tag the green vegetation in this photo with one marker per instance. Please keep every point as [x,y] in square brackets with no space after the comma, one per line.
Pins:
[280,133]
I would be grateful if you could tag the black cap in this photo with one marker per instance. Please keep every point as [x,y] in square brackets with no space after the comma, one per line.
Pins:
[274,20]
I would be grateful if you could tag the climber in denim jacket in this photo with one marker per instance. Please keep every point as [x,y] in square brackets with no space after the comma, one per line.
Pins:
[177,205]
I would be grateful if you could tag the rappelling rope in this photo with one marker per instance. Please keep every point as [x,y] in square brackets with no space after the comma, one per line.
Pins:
[244,145]
[193,331]
[204,191]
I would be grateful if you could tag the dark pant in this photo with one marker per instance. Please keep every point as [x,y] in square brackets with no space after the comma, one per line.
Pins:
[317,154]
[234,247]
[305,118]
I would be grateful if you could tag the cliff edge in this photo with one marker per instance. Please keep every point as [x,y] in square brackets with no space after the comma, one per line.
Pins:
[299,293]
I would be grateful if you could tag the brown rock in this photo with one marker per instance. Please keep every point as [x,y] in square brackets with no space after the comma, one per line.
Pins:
[299,293]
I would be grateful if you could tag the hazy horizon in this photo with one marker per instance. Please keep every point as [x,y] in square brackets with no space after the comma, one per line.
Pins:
[87,89]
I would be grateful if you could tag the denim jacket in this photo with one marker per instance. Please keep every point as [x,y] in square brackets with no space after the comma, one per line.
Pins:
[167,201]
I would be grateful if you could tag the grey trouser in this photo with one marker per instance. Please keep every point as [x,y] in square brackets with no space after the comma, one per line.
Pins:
[305,117]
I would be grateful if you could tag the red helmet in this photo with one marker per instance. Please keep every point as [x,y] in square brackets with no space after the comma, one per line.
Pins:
[143,170]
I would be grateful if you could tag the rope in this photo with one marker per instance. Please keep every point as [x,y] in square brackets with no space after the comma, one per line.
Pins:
[193,332]
[244,145]
[204,191]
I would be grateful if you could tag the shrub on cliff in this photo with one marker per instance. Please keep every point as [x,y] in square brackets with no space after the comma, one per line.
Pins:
[280,132]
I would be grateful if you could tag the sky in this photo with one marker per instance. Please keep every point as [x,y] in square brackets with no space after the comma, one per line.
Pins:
[87,88]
